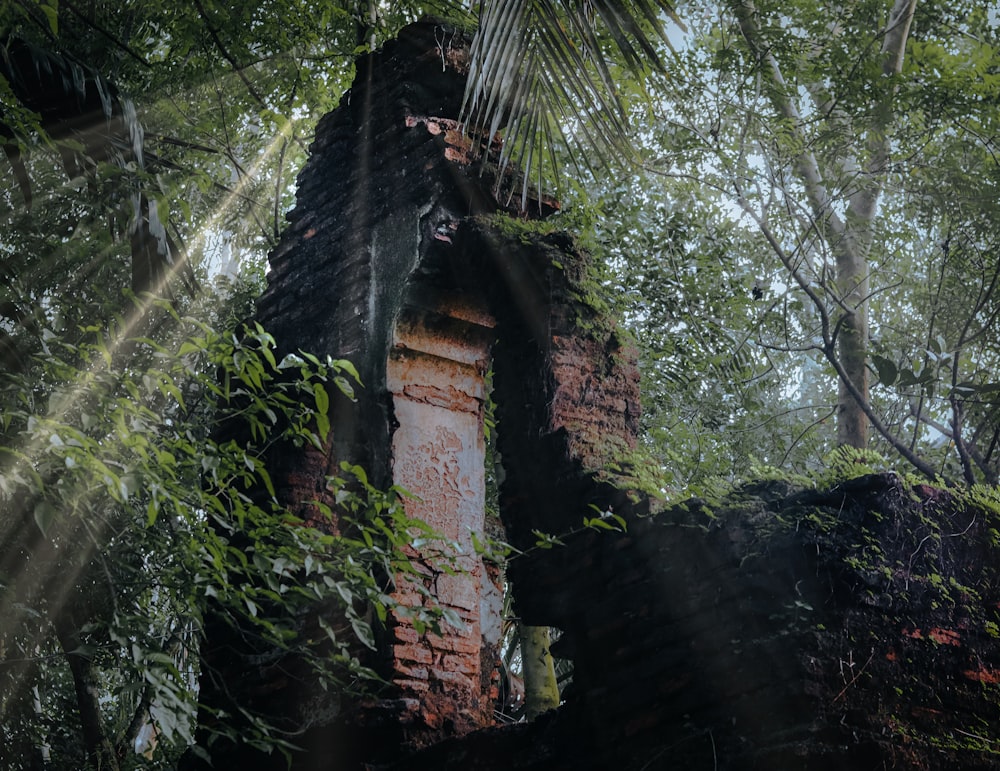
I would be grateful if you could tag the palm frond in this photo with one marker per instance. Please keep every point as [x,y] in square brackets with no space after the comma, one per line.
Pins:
[541,71]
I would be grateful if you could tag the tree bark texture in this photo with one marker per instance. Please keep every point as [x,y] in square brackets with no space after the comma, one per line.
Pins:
[100,750]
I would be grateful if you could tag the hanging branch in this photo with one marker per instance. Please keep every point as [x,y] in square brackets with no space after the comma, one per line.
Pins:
[828,349]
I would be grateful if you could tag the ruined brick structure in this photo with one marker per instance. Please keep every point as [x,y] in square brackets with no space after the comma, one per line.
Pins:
[700,639]
[392,260]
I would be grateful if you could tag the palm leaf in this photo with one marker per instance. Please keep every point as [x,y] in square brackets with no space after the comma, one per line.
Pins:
[540,72]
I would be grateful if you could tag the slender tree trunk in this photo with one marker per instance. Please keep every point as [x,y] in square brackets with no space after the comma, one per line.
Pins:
[852,347]
[366,20]
[849,238]
[852,262]
[541,691]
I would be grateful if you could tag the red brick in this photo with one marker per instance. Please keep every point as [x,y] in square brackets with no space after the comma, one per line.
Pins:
[454,643]
[406,634]
[417,673]
[465,664]
[453,679]
[417,653]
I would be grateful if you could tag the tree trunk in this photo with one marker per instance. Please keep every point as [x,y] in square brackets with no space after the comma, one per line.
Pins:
[852,347]
[850,239]
[541,691]
[852,262]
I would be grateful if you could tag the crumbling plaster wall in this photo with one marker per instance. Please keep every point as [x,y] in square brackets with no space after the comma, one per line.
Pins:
[436,380]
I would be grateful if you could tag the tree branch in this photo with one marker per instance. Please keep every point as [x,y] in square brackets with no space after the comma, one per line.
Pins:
[916,461]
[100,751]
[897,31]
[982,461]
[214,34]
[957,420]
[806,165]
[957,407]
[829,352]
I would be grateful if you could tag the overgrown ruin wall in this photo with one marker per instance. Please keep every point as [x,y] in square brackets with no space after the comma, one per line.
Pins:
[848,629]
[362,273]
[783,629]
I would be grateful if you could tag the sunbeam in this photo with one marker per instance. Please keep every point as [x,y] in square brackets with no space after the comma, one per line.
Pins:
[43,559]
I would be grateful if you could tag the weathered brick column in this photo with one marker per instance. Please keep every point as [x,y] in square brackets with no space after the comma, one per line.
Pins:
[435,374]
[363,273]
[392,260]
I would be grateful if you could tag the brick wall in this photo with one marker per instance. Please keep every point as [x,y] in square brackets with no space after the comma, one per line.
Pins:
[845,629]
[391,260]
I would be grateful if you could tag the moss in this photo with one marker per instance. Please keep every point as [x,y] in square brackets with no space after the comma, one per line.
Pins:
[587,280]
[980,738]
[637,474]
[988,499]
[525,231]
[764,473]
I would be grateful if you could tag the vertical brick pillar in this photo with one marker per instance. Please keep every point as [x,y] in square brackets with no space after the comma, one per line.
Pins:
[368,270]
[435,375]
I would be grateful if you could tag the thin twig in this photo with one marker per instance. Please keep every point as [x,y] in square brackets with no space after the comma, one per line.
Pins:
[855,678]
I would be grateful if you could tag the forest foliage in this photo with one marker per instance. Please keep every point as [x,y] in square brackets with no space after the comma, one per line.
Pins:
[161,154]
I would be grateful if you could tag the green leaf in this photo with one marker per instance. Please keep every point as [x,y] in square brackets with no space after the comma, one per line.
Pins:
[344,386]
[131,483]
[346,366]
[887,372]
[45,514]
[363,632]
[51,10]
[268,354]
[323,426]
[907,378]
[322,398]
[265,477]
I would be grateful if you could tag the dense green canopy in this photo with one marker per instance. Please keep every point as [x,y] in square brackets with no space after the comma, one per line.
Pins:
[762,181]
